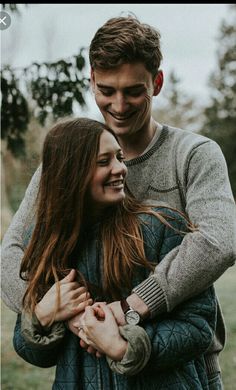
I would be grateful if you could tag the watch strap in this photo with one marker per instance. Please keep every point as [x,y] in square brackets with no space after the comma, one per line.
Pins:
[124,305]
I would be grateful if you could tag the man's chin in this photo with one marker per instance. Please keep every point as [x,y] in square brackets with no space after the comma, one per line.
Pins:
[120,130]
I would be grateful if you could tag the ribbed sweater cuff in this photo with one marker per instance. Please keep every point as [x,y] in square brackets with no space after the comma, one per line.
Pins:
[151,293]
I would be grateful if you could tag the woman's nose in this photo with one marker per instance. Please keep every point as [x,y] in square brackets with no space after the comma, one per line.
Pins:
[119,167]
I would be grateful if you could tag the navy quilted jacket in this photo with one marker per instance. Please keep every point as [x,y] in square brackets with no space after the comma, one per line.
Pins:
[179,339]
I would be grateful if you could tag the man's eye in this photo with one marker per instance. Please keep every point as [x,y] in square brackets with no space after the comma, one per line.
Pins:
[121,158]
[106,92]
[135,93]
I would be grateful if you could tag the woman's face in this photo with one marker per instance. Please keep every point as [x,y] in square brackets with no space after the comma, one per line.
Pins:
[107,184]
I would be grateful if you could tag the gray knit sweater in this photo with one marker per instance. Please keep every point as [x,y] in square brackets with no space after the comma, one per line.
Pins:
[186,171]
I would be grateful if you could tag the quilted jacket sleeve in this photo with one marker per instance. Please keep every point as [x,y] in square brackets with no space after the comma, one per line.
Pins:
[188,330]
[185,333]
[34,354]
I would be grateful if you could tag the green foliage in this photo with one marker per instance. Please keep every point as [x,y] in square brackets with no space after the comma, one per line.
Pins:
[41,90]
[15,112]
[220,115]
[14,8]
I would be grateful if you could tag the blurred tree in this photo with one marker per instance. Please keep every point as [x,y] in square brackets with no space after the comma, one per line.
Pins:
[220,115]
[11,7]
[176,108]
[50,89]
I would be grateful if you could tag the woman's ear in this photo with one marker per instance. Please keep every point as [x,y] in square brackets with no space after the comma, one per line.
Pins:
[158,82]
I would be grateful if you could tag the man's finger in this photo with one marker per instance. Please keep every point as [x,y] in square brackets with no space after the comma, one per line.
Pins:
[83,344]
[106,310]
[91,350]
[99,313]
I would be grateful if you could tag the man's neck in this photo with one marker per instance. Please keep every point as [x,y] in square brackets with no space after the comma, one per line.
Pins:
[135,144]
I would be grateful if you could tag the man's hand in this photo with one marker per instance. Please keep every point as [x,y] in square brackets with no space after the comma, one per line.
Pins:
[73,300]
[117,312]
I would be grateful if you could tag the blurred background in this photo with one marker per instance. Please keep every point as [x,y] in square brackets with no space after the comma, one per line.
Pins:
[45,76]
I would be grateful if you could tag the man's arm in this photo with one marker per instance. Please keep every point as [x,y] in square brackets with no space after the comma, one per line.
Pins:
[204,255]
[13,246]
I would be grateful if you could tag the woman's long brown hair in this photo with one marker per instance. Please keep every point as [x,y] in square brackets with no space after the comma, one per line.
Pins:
[69,160]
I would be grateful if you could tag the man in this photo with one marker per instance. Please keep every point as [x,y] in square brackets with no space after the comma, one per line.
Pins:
[169,165]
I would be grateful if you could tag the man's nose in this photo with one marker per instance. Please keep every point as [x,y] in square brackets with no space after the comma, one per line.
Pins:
[120,104]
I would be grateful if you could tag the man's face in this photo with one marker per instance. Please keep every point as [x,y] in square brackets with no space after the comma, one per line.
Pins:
[124,97]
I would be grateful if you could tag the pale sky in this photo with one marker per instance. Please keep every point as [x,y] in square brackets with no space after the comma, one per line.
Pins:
[46,32]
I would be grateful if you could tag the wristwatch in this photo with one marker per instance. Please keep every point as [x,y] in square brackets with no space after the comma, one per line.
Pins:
[132,317]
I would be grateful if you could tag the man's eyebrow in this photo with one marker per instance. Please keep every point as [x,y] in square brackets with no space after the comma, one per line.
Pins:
[135,86]
[104,86]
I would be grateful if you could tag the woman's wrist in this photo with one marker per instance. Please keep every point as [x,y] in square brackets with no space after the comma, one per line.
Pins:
[118,349]
[43,319]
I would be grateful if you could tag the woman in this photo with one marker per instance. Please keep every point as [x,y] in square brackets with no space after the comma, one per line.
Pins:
[87,221]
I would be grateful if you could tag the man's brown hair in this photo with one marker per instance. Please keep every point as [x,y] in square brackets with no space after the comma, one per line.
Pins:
[124,40]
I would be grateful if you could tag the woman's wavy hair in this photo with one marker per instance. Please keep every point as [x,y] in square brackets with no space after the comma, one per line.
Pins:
[69,160]
[124,40]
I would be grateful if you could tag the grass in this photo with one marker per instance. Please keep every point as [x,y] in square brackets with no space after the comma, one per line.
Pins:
[18,375]
[226,289]
[15,373]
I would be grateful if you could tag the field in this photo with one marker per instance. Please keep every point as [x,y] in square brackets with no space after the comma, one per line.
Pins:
[18,375]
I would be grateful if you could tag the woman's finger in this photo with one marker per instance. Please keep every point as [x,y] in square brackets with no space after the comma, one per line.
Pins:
[81,295]
[69,278]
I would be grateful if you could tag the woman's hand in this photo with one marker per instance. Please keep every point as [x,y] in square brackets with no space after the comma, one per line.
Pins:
[73,300]
[102,334]
[75,323]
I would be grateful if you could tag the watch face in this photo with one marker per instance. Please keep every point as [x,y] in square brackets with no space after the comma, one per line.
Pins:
[132,317]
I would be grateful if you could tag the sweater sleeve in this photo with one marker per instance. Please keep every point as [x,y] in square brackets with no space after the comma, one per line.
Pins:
[13,246]
[34,353]
[204,255]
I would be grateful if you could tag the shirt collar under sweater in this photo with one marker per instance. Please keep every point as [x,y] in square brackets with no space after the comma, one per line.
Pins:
[155,143]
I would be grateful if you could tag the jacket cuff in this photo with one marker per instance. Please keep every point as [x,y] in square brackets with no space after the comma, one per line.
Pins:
[137,354]
[38,336]
[152,294]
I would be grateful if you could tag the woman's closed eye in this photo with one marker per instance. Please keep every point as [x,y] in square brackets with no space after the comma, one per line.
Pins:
[103,162]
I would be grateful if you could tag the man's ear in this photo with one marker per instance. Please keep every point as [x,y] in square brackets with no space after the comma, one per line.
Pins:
[92,79]
[158,82]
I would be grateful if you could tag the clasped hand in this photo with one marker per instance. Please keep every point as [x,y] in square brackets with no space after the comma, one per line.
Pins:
[73,300]
[98,323]
[99,331]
